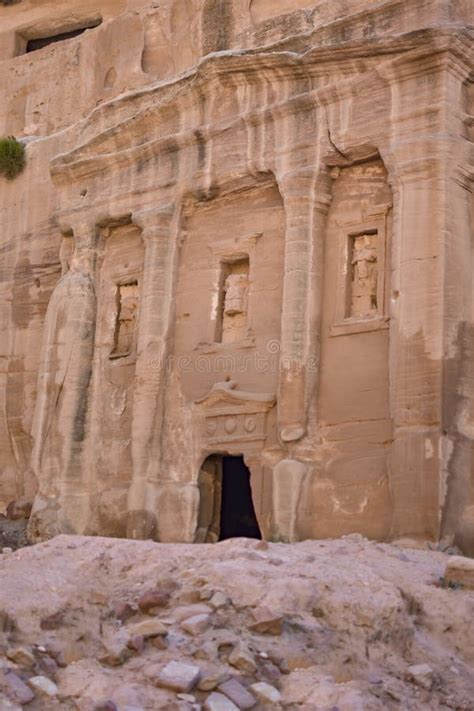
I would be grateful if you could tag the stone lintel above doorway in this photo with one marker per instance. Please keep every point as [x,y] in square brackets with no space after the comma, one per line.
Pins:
[231,415]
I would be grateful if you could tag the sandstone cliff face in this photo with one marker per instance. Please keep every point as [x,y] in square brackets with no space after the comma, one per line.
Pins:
[244,230]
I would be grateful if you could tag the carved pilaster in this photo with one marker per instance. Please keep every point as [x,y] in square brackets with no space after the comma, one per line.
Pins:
[152,351]
[302,294]
[416,339]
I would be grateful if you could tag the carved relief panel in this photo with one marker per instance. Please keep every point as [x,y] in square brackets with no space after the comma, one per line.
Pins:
[234,416]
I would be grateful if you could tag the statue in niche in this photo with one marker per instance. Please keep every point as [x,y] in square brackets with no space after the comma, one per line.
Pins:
[236,288]
[66,251]
[126,318]
[364,275]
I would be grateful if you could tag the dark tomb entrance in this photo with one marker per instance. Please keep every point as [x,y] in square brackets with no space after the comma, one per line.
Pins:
[237,510]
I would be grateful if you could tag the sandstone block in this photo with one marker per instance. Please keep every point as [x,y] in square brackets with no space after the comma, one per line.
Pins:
[242,658]
[266,622]
[179,676]
[43,686]
[219,600]
[219,702]
[266,693]
[147,628]
[116,653]
[15,688]
[211,678]
[21,656]
[460,571]
[237,693]
[184,612]
[153,600]
[197,624]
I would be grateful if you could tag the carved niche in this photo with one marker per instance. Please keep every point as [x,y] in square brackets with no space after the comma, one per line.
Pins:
[125,323]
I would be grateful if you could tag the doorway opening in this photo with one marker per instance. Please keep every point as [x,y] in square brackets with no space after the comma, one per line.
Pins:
[226,507]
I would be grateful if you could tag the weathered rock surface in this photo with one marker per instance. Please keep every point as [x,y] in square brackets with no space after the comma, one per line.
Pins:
[366,626]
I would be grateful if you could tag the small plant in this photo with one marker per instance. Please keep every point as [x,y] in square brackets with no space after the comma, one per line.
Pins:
[12,157]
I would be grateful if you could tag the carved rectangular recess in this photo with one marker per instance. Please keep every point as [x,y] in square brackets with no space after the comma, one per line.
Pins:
[27,43]
[361,298]
[127,296]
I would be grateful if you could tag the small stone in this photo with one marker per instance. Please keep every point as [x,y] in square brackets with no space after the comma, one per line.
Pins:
[219,702]
[237,693]
[123,611]
[266,693]
[21,656]
[7,550]
[422,675]
[153,600]
[242,659]
[159,642]
[55,651]
[184,612]
[137,643]
[460,571]
[43,686]
[218,600]
[19,509]
[147,628]
[15,688]
[270,671]
[211,679]
[47,666]
[116,651]
[186,697]
[197,624]
[266,622]
[179,676]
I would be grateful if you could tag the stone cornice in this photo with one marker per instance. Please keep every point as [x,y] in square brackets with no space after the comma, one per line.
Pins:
[427,49]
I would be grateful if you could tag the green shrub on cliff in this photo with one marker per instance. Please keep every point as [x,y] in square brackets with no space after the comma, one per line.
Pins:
[12,157]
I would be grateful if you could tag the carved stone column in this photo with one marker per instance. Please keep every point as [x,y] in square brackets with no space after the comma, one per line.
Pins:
[302,295]
[152,350]
[60,419]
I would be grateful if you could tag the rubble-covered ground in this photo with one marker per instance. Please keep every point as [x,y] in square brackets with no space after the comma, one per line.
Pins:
[348,625]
